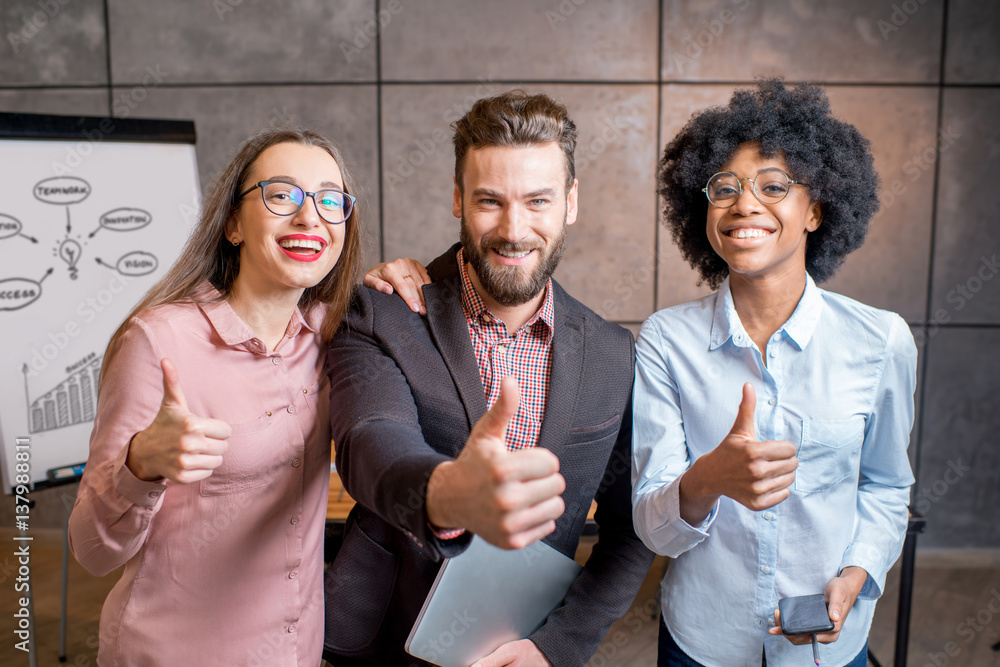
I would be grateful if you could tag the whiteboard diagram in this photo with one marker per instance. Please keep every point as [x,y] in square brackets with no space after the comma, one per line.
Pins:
[17,293]
[79,247]
[71,402]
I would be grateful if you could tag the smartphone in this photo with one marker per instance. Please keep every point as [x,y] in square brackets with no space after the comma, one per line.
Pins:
[804,615]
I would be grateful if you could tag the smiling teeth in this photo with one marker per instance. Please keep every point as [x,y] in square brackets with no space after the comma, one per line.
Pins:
[300,243]
[749,233]
[513,255]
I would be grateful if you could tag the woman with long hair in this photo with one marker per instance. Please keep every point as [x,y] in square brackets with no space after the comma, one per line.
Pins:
[209,461]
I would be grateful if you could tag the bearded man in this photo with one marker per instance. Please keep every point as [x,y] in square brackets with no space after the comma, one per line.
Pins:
[502,411]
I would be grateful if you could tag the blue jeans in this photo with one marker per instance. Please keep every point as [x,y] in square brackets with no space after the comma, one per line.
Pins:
[671,655]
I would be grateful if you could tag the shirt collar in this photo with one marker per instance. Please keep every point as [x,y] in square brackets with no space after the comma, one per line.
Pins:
[802,324]
[234,331]
[475,307]
[799,328]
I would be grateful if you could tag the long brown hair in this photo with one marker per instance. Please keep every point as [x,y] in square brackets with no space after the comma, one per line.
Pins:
[209,256]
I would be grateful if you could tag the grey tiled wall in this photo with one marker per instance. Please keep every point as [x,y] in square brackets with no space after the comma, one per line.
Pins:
[920,78]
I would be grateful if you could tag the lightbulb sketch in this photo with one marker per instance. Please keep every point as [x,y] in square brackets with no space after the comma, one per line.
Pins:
[69,252]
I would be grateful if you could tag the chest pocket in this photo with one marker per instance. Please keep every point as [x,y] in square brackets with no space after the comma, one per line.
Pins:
[579,435]
[254,457]
[830,452]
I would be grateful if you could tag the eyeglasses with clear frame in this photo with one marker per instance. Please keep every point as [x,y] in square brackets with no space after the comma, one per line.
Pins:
[769,186]
[284,198]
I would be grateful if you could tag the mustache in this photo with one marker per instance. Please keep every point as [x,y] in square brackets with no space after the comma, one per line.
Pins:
[507,246]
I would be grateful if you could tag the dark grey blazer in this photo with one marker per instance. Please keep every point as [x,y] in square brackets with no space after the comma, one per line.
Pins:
[405,392]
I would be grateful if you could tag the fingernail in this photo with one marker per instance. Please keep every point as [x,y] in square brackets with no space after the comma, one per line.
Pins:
[415,307]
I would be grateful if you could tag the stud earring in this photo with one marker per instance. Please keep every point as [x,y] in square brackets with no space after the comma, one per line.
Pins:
[236,244]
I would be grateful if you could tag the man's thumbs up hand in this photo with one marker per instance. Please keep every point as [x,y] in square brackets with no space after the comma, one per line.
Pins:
[510,499]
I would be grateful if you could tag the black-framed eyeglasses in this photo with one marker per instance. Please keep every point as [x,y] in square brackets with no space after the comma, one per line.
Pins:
[769,186]
[284,198]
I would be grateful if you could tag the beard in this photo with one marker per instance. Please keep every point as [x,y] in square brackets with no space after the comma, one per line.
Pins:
[508,285]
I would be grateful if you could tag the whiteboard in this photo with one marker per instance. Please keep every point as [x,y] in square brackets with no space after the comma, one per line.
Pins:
[87,226]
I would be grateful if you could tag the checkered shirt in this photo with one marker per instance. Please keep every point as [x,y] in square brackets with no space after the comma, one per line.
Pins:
[527,355]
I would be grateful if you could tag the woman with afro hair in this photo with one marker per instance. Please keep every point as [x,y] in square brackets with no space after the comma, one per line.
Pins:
[803,488]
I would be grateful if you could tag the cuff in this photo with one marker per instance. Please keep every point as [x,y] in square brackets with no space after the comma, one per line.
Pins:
[446,533]
[868,558]
[671,535]
[139,492]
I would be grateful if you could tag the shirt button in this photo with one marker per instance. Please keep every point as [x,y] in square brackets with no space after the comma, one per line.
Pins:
[154,494]
[292,628]
[294,520]
[501,349]
[486,318]
[291,409]
[765,570]
[293,574]
[296,463]
[767,515]
[305,391]
[275,360]
[772,401]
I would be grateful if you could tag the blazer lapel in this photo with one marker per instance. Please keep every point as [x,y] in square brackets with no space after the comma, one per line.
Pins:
[568,351]
[451,334]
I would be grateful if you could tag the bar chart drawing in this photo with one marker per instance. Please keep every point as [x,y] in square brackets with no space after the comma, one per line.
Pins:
[70,402]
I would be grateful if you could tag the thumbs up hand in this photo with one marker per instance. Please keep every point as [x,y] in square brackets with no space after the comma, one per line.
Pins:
[178,445]
[510,499]
[753,473]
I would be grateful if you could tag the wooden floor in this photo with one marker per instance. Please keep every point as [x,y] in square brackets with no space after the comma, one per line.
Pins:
[951,612]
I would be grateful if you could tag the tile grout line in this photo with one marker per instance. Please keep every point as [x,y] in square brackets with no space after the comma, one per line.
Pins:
[384,82]
[925,364]
[107,56]
[378,134]
[656,159]
[512,82]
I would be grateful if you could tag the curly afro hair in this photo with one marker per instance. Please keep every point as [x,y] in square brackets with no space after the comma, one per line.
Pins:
[792,123]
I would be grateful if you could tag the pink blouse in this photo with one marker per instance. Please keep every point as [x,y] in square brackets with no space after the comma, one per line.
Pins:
[228,570]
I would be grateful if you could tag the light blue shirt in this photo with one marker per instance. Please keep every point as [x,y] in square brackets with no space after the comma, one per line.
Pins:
[838,384]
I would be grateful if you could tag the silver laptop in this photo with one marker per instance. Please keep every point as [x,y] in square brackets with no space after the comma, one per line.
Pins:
[487,597]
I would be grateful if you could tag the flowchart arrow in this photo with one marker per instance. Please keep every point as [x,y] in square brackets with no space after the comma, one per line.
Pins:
[91,234]
[68,226]
[47,274]
[30,238]
[105,264]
